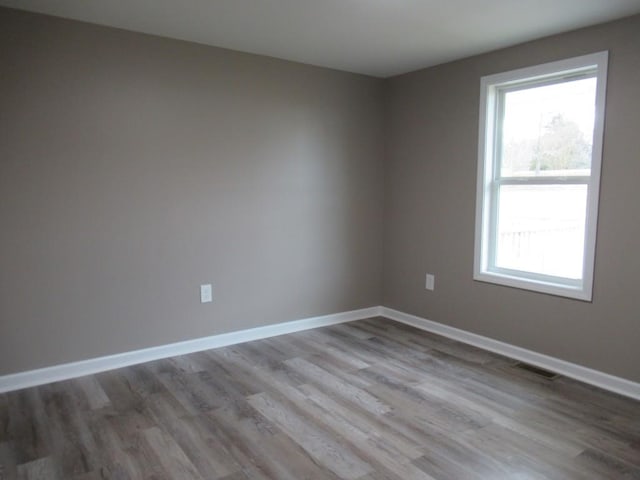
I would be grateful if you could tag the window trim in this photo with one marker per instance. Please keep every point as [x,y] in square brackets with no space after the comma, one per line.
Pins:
[485,199]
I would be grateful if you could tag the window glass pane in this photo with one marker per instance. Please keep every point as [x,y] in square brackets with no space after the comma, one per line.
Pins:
[540,229]
[548,130]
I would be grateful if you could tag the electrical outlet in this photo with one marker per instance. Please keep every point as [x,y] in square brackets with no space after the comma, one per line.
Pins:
[206,293]
[430,282]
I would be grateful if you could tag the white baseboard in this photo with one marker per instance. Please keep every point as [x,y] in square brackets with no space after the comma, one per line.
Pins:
[66,371]
[568,369]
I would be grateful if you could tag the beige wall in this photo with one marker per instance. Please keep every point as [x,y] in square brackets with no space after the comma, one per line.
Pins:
[133,168]
[430,206]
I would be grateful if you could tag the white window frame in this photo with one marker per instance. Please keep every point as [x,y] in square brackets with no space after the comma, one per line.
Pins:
[487,183]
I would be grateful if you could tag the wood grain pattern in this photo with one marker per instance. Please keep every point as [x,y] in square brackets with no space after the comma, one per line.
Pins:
[368,400]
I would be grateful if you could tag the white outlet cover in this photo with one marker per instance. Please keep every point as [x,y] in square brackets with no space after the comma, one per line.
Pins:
[430,282]
[206,293]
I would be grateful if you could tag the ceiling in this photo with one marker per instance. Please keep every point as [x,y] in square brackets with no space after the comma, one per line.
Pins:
[374,37]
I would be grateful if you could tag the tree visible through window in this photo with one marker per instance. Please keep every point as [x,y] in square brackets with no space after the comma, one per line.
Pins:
[562,145]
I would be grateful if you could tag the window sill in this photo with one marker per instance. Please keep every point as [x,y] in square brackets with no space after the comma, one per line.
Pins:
[550,288]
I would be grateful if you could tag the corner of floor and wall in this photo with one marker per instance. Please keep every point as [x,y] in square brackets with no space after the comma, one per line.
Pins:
[134,169]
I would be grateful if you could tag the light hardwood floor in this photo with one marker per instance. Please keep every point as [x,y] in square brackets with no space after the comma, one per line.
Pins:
[369,400]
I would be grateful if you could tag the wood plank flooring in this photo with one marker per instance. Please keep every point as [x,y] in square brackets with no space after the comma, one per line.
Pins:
[368,400]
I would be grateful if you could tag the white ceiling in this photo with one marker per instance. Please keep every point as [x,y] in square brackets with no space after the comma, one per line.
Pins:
[374,37]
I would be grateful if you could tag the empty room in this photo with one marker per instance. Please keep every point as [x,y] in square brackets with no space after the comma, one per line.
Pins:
[337,239]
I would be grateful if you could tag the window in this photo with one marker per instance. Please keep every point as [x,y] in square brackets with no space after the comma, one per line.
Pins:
[538,176]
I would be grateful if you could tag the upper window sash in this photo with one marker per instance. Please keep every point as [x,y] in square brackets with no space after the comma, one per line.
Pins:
[497,95]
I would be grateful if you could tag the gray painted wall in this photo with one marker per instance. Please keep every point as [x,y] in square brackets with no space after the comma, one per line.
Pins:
[133,168]
[431,167]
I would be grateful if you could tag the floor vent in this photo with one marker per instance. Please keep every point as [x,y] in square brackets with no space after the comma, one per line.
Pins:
[537,370]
